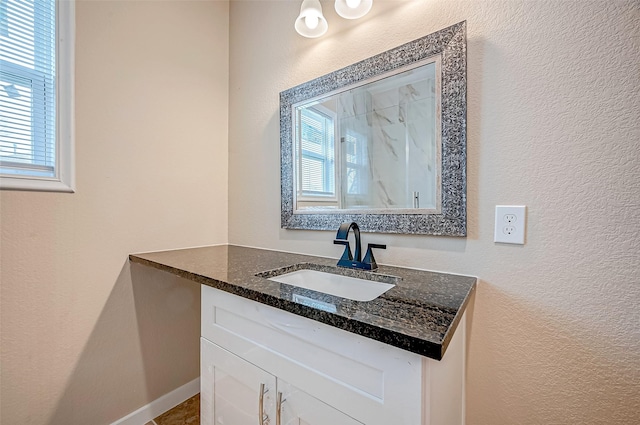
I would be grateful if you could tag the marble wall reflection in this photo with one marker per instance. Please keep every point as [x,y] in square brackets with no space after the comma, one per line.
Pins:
[388,143]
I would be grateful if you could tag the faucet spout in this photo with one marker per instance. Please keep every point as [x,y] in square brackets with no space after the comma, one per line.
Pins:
[343,234]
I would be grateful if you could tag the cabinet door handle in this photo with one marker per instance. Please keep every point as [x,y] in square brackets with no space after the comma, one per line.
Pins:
[261,415]
[279,402]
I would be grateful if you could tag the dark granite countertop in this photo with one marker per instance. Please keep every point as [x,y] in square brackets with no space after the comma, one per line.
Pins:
[419,314]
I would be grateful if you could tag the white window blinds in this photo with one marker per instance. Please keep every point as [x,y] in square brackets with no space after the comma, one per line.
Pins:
[318,158]
[28,90]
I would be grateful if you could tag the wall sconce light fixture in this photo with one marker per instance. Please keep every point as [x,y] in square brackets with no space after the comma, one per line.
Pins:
[353,9]
[310,22]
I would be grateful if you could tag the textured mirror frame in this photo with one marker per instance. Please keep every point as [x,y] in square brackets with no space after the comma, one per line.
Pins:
[451,44]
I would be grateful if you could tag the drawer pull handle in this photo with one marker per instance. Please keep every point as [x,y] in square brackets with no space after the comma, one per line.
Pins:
[261,416]
[279,402]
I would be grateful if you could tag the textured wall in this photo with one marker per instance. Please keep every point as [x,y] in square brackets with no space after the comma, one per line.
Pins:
[553,107]
[84,338]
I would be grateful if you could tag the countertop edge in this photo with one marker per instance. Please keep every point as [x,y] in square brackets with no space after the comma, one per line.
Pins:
[458,317]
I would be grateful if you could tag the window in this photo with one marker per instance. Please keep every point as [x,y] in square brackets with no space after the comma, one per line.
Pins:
[317,153]
[36,95]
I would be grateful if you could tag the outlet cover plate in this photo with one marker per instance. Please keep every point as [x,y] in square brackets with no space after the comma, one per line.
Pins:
[510,225]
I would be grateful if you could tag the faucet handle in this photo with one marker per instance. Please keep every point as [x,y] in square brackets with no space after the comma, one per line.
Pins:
[346,255]
[369,260]
[376,245]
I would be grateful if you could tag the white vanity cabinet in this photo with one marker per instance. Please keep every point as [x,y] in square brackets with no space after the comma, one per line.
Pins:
[237,392]
[257,359]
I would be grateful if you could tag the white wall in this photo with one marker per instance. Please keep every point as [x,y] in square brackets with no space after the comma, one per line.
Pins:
[553,107]
[85,339]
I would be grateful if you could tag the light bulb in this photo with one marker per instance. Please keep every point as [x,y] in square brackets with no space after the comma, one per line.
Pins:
[311,21]
[353,9]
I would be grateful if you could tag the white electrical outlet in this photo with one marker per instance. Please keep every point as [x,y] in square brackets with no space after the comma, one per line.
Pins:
[510,224]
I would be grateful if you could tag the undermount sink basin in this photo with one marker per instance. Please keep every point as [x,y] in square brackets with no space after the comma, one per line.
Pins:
[334,284]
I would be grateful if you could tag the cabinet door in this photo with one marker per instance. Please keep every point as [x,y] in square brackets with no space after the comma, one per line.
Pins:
[300,408]
[231,389]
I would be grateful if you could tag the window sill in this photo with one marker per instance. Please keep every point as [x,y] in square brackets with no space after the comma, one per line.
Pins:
[35,185]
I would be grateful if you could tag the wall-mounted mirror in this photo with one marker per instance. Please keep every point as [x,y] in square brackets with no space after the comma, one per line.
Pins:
[381,142]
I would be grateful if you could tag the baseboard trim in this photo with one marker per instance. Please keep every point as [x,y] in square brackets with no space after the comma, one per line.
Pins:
[161,405]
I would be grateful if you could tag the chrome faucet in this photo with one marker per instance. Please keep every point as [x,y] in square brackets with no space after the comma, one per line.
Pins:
[347,260]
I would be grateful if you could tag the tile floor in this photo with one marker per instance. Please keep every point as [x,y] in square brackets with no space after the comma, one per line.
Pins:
[186,413]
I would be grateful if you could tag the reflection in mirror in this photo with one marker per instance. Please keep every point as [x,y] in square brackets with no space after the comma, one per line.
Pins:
[381,142]
[373,146]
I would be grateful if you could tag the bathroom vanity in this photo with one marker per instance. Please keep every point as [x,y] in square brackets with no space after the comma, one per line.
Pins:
[274,353]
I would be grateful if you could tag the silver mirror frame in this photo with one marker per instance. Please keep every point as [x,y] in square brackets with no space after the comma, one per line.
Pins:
[451,44]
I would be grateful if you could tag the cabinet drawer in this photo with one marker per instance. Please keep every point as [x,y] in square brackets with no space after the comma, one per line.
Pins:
[370,381]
